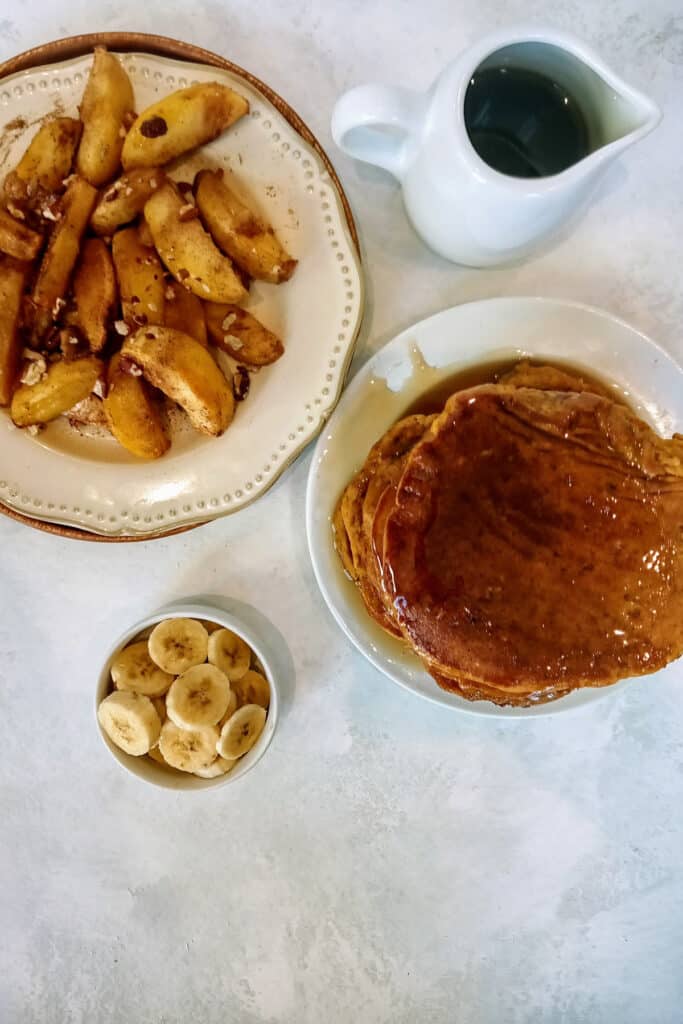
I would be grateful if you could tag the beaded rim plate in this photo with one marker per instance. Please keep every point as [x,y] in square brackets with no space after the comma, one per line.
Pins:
[75,480]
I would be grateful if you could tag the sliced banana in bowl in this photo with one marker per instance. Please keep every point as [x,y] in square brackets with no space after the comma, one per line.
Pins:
[178,644]
[241,732]
[198,697]
[130,720]
[186,699]
[132,669]
[188,750]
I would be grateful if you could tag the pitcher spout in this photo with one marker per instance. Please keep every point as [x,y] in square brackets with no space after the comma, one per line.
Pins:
[617,113]
[639,116]
[620,114]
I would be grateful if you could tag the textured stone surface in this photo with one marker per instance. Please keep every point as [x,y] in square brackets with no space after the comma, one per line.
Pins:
[387,861]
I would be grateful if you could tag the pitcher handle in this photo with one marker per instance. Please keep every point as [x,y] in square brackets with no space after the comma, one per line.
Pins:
[376,124]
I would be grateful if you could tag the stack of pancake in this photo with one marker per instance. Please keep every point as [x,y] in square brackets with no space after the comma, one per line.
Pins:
[525,541]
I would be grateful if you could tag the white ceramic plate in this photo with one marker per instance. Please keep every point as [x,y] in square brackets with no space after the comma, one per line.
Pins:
[90,481]
[432,351]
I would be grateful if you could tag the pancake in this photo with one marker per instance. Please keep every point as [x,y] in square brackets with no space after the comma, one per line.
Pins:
[341,542]
[385,504]
[492,656]
[385,460]
[551,378]
[380,476]
[391,446]
[349,541]
[471,690]
[354,514]
[534,543]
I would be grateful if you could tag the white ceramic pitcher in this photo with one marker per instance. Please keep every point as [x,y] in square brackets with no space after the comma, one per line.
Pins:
[463,208]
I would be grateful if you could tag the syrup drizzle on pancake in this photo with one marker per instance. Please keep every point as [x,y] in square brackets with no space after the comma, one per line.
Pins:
[422,392]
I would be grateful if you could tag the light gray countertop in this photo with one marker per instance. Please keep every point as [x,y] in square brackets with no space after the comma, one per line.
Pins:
[387,860]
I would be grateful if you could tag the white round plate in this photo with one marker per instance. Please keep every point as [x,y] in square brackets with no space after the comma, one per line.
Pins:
[479,332]
[91,482]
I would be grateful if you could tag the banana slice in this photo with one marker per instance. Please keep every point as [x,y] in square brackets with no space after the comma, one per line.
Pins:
[160,704]
[178,644]
[219,767]
[157,756]
[210,627]
[240,732]
[229,653]
[198,697]
[231,709]
[133,669]
[130,721]
[252,688]
[188,750]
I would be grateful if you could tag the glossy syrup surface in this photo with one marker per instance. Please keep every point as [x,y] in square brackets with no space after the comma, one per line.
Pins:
[433,398]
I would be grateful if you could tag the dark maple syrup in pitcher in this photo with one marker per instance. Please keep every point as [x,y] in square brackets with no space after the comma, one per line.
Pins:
[524,124]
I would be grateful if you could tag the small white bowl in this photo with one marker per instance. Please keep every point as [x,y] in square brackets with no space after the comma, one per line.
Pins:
[144,767]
